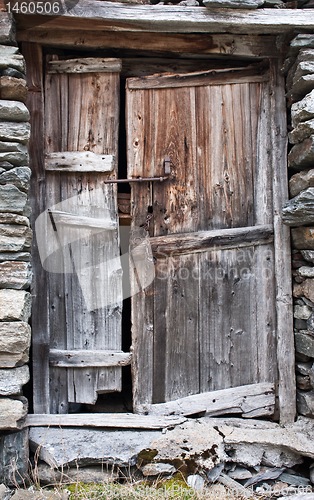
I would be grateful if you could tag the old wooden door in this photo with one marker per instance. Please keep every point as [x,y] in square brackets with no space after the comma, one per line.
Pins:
[78,285]
[208,321]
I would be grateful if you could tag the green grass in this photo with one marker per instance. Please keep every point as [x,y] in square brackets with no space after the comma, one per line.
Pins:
[172,490]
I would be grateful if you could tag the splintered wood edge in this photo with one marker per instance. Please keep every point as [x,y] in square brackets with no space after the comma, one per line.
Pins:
[198,79]
[241,399]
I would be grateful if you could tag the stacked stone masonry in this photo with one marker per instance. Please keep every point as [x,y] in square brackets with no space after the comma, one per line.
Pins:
[299,211]
[15,266]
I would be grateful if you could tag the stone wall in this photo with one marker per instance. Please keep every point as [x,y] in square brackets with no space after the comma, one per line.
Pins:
[15,266]
[299,211]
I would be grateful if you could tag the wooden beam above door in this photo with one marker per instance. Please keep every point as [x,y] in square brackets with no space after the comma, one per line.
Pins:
[114,16]
[201,45]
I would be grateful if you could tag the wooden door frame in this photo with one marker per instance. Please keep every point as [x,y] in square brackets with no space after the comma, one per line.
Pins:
[32,52]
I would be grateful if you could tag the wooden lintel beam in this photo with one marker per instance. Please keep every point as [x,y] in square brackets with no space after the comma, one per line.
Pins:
[174,18]
[202,45]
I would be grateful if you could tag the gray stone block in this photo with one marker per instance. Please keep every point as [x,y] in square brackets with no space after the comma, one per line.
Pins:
[14,111]
[67,446]
[13,413]
[304,343]
[12,199]
[15,237]
[299,211]
[303,110]
[6,165]
[8,218]
[301,42]
[13,89]
[14,73]
[98,475]
[15,339]
[15,61]
[12,131]
[12,380]
[301,132]
[303,68]
[302,312]
[15,305]
[19,256]
[17,159]
[19,176]
[14,455]
[306,272]
[302,154]
[16,275]
[300,87]
[303,238]
[305,403]
[8,50]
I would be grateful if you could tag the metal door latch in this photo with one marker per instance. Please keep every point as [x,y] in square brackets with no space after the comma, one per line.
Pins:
[167,166]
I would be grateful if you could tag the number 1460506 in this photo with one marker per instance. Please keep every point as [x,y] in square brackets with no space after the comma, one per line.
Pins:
[34,7]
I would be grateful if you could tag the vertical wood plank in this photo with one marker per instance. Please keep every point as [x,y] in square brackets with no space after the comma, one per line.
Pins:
[285,338]
[56,136]
[40,331]
[264,256]
[182,327]
[138,116]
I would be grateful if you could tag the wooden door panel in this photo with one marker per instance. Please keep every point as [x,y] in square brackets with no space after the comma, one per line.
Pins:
[214,326]
[85,299]
[210,312]
[210,134]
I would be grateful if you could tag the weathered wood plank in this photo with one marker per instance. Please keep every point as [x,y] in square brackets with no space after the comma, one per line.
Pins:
[285,340]
[115,420]
[148,66]
[80,161]
[83,358]
[82,221]
[40,342]
[174,18]
[142,313]
[86,65]
[202,240]
[223,45]
[212,77]
[56,107]
[233,400]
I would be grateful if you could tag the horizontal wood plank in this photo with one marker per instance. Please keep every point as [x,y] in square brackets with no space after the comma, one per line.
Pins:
[197,79]
[83,359]
[115,420]
[115,16]
[199,45]
[86,65]
[82,221]
[202,240]
[79,161]
[249,400]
